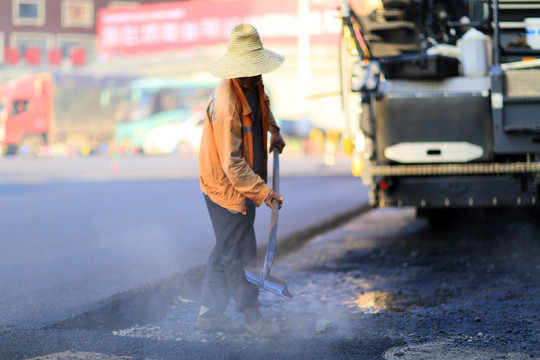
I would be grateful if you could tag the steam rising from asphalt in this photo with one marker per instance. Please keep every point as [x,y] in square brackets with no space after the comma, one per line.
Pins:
[325,293]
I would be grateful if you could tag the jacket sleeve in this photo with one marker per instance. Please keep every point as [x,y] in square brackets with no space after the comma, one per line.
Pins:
[228,139]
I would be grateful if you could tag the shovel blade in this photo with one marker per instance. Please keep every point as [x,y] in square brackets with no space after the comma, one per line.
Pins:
[269,283]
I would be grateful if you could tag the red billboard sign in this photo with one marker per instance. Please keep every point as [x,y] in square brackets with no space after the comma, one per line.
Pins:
[176,25]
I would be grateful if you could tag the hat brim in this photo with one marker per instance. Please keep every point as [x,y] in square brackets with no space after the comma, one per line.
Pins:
[260,62]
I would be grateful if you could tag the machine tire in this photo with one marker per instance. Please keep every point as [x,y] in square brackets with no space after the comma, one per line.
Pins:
[31,145]
[438,218]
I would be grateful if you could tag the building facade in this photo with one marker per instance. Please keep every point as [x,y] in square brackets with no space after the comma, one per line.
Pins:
[51,33]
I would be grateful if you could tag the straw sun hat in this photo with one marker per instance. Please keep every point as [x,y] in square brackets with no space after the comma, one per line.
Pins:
[245,56]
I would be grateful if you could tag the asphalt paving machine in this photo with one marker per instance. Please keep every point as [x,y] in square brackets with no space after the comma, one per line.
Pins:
[442,102]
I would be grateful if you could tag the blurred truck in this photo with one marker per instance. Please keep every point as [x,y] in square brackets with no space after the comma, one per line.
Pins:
[47,113]
[442,101]
[26,108]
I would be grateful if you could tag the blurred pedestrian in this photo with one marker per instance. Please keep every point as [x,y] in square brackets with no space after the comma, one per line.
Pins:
[233,173]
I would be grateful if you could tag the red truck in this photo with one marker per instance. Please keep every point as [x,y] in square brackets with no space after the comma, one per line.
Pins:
[26,110]
[58,114]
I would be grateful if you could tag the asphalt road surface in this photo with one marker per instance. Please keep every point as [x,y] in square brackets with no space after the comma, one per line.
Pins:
[384,285]
[76,231]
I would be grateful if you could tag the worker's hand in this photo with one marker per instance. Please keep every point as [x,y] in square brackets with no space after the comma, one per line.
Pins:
[271,196]
[277,142]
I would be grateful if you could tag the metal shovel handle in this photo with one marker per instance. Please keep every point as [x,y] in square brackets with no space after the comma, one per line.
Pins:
[275,172]
[269,259]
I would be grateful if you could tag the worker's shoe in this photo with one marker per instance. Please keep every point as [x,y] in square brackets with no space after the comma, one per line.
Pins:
[217,323]
[264,328]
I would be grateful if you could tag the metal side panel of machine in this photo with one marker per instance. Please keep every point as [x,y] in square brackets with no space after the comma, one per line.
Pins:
[516,111]
[434,121]
[461,191]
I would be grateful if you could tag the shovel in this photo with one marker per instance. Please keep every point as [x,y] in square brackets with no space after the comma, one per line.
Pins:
[262,277]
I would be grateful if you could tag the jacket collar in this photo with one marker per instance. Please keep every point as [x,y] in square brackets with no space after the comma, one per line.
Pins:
[240,93]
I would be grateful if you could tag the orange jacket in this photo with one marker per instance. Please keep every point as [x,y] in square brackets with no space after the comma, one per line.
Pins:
[226,152]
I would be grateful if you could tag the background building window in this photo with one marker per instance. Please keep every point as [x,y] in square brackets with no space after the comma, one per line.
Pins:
[78,13]
[31,47]
[29,12]
[75,47]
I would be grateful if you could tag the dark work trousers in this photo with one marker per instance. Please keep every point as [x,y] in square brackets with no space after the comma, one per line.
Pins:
[235,247]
